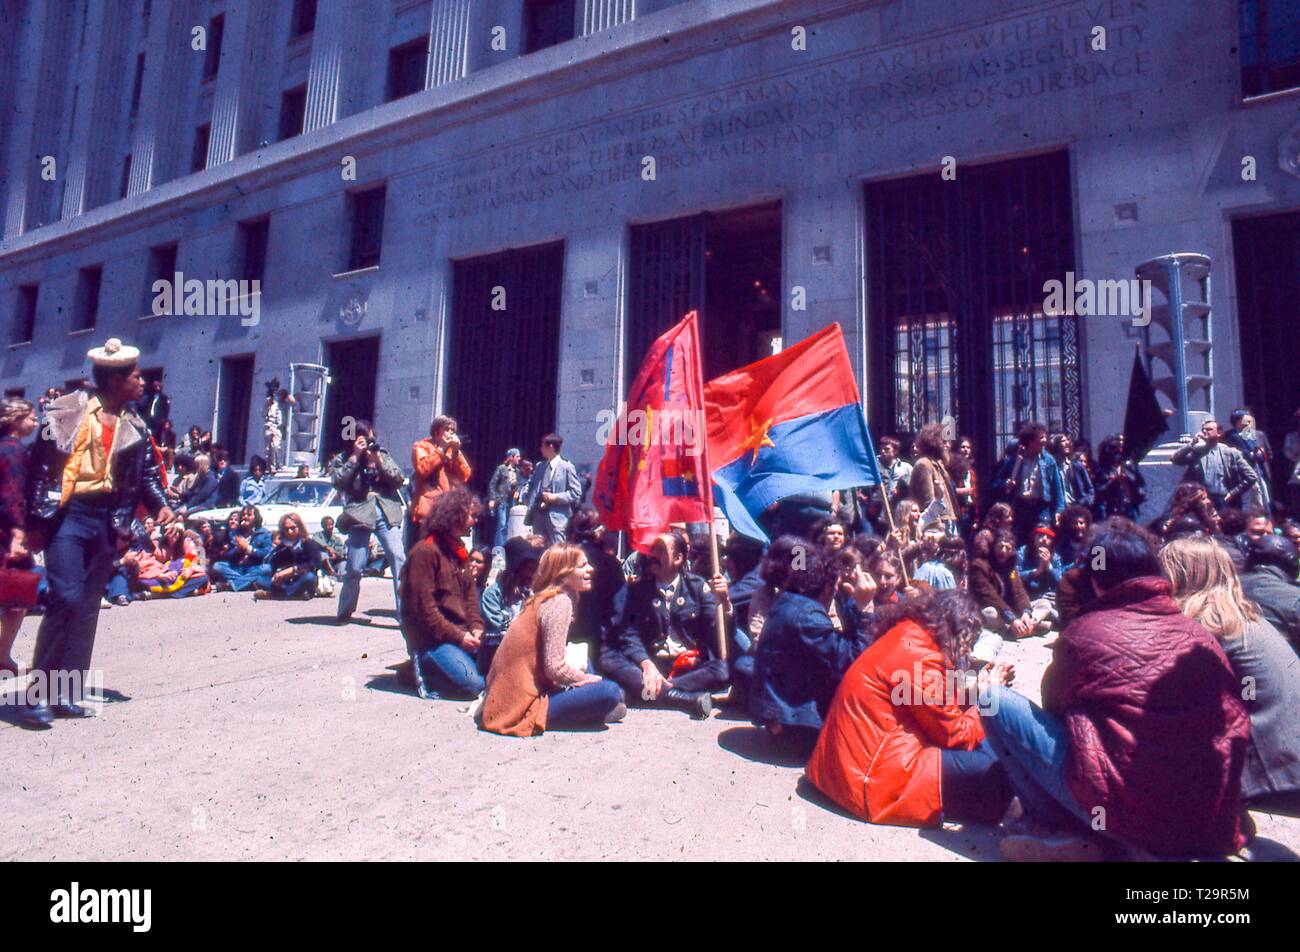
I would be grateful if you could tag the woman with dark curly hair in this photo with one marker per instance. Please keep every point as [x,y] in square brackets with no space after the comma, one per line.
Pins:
[1121,490]
[439,603]
[801,656]
[902,742]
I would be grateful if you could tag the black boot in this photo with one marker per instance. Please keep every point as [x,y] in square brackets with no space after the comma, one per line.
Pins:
[698,704]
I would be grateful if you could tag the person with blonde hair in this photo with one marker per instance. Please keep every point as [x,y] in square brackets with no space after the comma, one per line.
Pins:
[1206,587]
[531,685]
[17,422]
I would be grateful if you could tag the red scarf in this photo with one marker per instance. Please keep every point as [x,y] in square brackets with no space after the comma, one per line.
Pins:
[457,547]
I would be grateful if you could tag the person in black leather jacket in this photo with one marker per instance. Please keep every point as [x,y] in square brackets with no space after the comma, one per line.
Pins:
[101,468]
[662,645]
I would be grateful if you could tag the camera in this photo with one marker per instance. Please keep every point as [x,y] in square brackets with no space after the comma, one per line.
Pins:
[372,445]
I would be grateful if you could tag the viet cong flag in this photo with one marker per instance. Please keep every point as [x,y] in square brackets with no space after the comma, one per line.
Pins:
[655,470]
[790,423]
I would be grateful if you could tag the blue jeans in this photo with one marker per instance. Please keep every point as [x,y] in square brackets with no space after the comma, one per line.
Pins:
[449,671]
[1033,749]
[503,519]
[973,785]
[584,706]
[78,564]
[242,578]
[390,539]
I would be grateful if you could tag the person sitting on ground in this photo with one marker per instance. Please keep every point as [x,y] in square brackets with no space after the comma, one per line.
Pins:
[1189,501]
[439,607]
[1272,564]
[252,489]
[333,545]
[1038,565]
[202,493]
[294,563]
[801,656]
[831,531]
[905,537]
[173,567]
[998,590]
[503,600]
[227,479]
[887,570]
[902,742]
[1076,520]
[741,561]
[595,609]
[531,686]
[250,548]
[1206,587]
[662,645]
[773,570]
[952,552]
[932,569]
[1142,726]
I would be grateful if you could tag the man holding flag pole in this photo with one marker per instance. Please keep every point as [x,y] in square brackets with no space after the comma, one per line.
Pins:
[667,644]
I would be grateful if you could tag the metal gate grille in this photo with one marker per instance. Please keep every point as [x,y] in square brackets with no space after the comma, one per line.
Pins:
[956,272]
[665,280]
[503,364]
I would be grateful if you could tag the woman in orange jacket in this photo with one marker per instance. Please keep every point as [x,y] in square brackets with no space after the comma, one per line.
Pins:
[902,742]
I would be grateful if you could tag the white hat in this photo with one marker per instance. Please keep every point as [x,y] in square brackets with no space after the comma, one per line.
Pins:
[113,354]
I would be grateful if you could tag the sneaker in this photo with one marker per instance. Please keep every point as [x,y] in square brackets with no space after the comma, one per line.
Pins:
[617,714]
[121,600]
[105,603]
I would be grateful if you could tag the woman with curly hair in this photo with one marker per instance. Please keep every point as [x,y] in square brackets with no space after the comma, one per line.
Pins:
[802,656]
[902,742]
[439,602]
[531,686]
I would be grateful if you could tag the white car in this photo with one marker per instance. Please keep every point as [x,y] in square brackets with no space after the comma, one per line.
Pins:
[311,498]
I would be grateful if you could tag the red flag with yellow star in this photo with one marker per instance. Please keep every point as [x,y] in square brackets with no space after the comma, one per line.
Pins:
[655,469]
[790,423]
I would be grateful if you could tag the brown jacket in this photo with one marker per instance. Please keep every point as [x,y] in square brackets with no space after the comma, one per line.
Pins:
[991,589]
[929,479]
[517,702]
[439,600]
[435,471]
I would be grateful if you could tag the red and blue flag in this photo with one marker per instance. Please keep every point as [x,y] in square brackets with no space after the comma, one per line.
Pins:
[790,423]
[655,468]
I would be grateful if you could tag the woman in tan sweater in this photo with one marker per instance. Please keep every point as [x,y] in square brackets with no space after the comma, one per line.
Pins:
[531,686]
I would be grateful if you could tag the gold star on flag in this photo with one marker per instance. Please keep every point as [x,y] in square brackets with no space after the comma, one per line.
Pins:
[758,438]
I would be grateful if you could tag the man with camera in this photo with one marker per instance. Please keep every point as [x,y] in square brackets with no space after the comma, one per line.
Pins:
[369,479]
[439,465]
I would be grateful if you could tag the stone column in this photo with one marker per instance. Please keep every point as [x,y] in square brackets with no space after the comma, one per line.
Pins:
[234,76]
[167,69]
[449,41]
[600,15]
[325,74]
[99,82]
[21,163]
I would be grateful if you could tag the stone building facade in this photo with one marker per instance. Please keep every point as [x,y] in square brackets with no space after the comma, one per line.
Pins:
[488,207]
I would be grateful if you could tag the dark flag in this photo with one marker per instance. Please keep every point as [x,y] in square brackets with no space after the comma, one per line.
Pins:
[1144,420]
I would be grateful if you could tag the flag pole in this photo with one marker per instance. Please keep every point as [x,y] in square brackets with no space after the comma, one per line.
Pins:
[720,616]
[889,517]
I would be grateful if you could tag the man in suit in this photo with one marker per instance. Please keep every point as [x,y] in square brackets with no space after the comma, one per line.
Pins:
[553,493]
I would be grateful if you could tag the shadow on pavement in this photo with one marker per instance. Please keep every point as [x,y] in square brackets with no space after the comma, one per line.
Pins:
[754,743]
